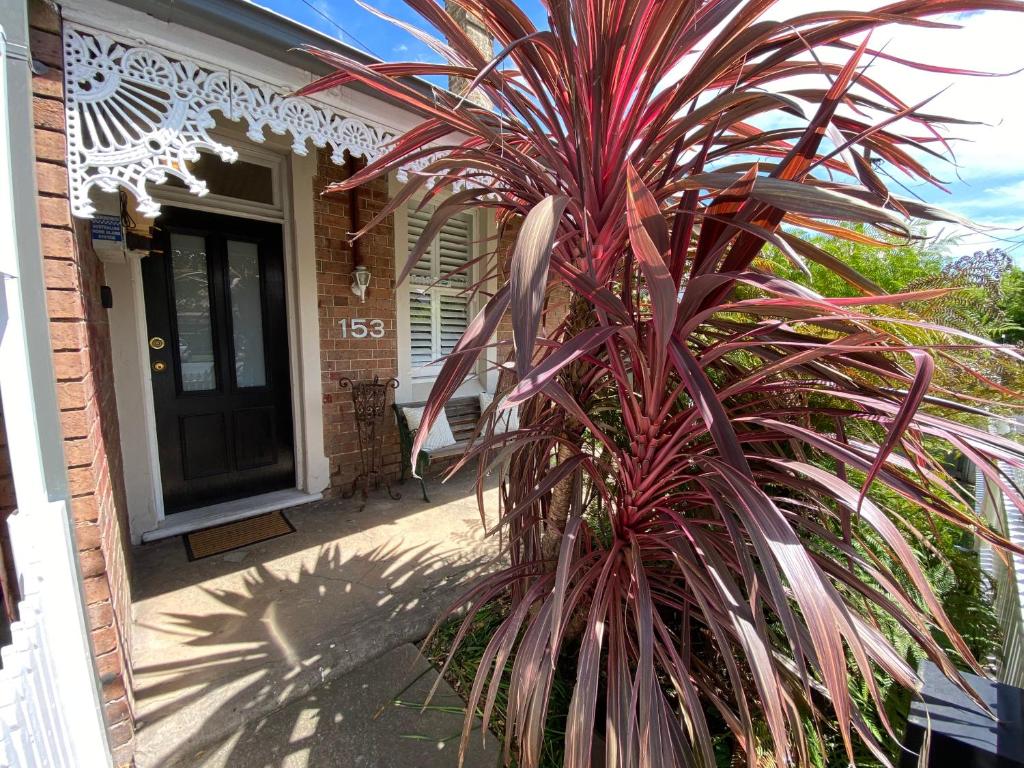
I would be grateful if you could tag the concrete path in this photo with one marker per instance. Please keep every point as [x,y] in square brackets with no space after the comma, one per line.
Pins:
[220,643]
[370,718]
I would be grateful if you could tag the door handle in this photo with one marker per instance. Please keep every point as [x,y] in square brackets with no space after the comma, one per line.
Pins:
[157,343]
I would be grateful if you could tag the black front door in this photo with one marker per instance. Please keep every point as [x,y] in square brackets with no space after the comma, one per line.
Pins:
[218,357]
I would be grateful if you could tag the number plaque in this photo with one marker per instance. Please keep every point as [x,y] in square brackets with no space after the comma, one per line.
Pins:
[362,328]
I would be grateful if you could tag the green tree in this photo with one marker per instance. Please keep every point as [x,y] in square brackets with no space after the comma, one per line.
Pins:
[984,287]
[1011,304]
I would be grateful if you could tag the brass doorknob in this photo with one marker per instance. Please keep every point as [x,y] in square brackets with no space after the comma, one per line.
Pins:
[156,343]
[159,366]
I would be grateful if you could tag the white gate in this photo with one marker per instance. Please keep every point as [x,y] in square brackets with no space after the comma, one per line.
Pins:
[32,731]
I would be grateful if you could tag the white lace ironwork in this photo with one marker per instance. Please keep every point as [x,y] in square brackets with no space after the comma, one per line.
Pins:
[136,116]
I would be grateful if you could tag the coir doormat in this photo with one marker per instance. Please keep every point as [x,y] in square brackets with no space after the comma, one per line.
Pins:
[242,533]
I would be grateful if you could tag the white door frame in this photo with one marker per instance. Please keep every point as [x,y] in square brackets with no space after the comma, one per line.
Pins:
[293,209]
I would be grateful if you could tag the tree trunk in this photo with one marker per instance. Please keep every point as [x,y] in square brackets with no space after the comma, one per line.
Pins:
[558,511]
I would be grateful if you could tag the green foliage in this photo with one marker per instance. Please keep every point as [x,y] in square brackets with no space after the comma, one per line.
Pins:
[1012,305]
[982,294]
[985,292]
[465,664]
[894,269]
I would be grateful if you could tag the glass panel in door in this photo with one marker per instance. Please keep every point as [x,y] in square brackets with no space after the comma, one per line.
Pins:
[192,311]
[246,313]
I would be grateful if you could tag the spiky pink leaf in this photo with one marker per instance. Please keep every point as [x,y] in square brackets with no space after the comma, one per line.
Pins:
[528,274]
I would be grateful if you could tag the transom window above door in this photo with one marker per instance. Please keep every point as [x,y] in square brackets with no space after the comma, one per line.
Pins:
[251,185]
[437,290]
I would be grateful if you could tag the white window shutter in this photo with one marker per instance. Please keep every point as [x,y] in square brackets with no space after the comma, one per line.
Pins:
[423,272]
[454,318]
[438,310]
[455,249]
[421,329]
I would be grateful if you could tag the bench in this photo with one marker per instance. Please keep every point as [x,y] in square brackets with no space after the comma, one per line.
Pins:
[463,414]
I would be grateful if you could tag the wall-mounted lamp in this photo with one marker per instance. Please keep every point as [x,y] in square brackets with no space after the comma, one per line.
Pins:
[360,282]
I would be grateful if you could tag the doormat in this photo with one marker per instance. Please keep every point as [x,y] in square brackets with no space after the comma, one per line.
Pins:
[242,533]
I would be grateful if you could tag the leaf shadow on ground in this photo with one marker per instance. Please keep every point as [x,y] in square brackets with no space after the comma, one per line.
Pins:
[267,647]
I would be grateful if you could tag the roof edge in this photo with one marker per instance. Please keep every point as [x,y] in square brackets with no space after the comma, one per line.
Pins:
[266,32]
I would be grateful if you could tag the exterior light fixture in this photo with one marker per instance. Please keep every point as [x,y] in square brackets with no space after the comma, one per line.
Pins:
[360,282]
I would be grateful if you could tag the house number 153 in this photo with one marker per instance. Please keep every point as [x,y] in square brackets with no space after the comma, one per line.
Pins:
[361,328]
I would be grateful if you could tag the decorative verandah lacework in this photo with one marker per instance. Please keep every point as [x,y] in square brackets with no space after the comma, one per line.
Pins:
[135,116]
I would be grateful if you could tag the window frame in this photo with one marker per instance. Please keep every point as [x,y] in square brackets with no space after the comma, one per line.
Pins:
[415,387]
[435,287]
[182,197]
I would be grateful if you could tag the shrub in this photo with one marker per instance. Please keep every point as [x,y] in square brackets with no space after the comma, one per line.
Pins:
[686,508]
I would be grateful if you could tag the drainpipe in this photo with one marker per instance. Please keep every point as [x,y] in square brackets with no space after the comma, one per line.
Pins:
[360,273]
[353,212]
[42,535]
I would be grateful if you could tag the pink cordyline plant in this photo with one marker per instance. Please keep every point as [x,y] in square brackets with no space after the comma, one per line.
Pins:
[686,506]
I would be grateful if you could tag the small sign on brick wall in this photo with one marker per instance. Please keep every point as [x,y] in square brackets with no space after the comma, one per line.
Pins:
[106,227]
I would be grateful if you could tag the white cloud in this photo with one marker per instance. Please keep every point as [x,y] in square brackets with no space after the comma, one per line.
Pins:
[993,198]
[989,42]
[988,182]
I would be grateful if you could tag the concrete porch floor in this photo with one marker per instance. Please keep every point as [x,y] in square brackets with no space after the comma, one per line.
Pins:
[220,643]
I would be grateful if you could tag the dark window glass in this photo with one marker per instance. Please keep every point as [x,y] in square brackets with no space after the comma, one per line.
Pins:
[240,180]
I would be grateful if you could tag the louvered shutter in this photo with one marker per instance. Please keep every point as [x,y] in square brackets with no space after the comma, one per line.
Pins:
[423,272]
[438,313]
[454,318]
[455,245]
[421,328]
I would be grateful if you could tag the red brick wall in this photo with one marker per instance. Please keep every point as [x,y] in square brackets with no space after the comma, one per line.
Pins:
[80,338]
[358,359]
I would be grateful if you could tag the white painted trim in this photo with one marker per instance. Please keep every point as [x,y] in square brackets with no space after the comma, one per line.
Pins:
[208,49]
[114,143]
[129,337]
[304,329]
[274,160]
[273,154]
[133,394]
[229,512]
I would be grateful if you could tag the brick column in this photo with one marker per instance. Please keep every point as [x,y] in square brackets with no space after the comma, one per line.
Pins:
[481,38]
[80,339]
[359,359]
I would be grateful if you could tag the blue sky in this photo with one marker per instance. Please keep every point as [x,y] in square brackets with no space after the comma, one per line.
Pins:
[988,187]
